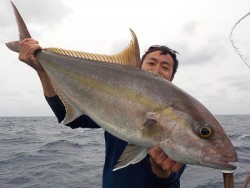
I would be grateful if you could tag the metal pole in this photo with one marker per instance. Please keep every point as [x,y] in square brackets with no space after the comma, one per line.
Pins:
[228,177]
[228,180]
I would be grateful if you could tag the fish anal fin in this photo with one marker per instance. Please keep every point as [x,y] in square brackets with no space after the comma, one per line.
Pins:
[72,112]
[130,56]
[131,155]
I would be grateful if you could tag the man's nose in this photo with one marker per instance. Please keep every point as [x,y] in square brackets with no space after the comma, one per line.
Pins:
[158,68]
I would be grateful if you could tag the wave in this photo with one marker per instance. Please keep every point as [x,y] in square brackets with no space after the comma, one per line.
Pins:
[62,143]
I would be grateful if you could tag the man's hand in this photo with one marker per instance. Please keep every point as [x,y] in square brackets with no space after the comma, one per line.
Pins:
[28,47]
[161,164]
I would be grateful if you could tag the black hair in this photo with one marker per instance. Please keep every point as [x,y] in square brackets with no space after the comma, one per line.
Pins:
[164,51]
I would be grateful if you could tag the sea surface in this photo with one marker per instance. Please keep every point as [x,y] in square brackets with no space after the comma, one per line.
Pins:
[38,152]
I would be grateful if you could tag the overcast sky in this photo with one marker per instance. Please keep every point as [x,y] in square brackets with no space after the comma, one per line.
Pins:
[210,69]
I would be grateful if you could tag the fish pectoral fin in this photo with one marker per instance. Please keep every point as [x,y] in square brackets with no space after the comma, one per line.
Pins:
[131,155]
[150,122]
[152,128]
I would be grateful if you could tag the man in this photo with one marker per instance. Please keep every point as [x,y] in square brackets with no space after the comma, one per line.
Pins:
[157,169]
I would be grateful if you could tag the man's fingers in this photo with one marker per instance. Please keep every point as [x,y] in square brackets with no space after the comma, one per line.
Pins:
[163,161]
[27,51]
[160,158]
[28,40]
[167,164]
[156,150]
[171,165]
[176,167]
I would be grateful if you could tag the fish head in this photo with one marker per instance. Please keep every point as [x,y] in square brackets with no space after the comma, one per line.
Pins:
[194,136]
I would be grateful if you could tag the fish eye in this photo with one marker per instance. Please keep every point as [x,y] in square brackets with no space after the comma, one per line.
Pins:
[204,132]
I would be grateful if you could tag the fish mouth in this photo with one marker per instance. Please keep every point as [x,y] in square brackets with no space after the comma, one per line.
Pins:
[218,159]
[229,165]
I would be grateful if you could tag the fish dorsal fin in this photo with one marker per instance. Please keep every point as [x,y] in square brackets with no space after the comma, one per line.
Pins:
[130,56]
[131,155]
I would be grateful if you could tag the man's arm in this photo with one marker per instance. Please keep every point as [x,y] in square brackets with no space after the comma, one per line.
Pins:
[28,47]
[48,88]
[58,108]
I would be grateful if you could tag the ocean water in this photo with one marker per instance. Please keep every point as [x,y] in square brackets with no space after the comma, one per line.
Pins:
[38,152]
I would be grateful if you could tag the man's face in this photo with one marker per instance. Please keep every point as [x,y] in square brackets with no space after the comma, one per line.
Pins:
[161,63]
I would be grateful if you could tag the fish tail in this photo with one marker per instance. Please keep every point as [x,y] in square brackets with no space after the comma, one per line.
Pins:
[23,31]
[14,46]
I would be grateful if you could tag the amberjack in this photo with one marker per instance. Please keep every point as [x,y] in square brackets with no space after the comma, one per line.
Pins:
[134,105]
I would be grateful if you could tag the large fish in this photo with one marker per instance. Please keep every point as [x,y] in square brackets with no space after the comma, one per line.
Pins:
[134,105]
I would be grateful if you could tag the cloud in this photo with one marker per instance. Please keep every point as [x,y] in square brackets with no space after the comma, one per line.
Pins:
[237,83]
[210,69]
[207,50]
[190,28]
[41,14]
[4,9]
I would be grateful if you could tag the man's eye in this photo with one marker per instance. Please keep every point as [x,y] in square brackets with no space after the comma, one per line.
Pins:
[165,68]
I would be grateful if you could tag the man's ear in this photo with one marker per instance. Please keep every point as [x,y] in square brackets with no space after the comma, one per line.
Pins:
[172,77]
